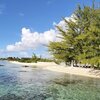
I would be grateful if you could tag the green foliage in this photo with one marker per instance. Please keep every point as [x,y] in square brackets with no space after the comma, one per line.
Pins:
[81,39]
[34,58]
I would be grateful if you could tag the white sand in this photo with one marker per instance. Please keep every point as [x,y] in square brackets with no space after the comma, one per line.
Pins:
[89,72]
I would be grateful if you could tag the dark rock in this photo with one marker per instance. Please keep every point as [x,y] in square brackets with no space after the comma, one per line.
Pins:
[1,65]
[25,66]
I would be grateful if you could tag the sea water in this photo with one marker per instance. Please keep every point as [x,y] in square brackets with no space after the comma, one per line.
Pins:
[34,83]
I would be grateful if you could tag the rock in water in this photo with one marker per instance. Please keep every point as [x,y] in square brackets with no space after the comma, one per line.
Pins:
[25,66]
[1,65]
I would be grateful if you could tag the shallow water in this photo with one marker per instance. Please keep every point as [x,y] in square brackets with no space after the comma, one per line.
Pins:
[33,83]
[71,87]
[17,81]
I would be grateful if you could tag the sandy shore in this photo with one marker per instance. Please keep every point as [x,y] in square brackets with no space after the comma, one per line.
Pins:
[51,66]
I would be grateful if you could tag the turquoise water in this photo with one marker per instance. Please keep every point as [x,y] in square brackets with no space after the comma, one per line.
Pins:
[71,87]
[33,83]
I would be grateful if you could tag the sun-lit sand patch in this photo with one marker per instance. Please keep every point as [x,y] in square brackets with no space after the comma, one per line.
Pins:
[51,66]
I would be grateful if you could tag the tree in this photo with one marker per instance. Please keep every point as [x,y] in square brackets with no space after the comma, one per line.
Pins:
[89,37]
[34,57]
[80,42]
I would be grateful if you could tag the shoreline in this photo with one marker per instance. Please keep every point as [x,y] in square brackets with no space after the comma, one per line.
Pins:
[51,66]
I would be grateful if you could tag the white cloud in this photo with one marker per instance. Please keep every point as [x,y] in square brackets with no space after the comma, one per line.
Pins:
[62,23]
[31,40]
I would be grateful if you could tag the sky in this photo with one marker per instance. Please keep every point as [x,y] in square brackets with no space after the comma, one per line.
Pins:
[27,25]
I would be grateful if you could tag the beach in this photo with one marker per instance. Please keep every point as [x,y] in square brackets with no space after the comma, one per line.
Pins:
[51,66]
[47,81]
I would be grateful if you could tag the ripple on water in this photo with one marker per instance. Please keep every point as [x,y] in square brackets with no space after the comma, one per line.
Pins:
[18,83]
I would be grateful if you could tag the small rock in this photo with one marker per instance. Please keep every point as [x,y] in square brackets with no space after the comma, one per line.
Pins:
[25,66]
[1,65]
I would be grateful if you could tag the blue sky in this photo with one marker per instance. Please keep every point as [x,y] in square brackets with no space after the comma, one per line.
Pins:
[21,17]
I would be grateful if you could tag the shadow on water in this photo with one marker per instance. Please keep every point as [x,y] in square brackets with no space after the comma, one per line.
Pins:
[10,97]
[73,87]
[1,65]
[66,82]
[15,97]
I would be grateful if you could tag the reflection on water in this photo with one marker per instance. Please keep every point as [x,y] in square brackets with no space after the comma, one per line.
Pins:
[19,83]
